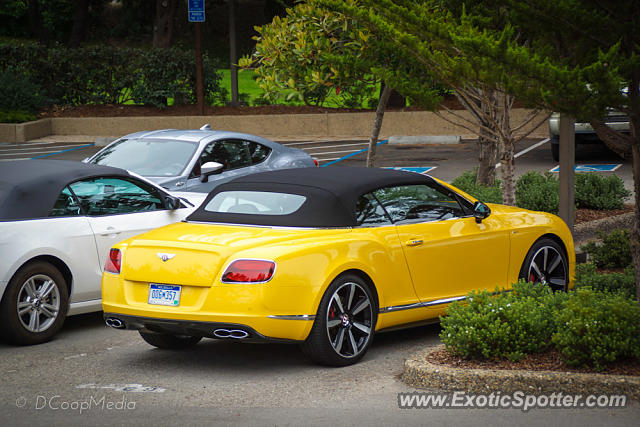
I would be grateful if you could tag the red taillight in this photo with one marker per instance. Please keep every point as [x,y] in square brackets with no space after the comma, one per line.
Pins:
[114,262]
[315,162]
[249,271]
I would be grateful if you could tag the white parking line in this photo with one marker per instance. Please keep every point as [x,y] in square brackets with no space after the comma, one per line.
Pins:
[3,150]
[336,152]
[10,160]
[526,150]
[28,153]
[310,142]
[334,146]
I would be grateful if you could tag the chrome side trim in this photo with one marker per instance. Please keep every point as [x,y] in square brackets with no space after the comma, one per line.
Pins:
[443,301]
[420,304]
[293,317]
[400,307]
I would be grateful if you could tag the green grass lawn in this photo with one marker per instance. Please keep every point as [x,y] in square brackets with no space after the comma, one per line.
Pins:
[248,90]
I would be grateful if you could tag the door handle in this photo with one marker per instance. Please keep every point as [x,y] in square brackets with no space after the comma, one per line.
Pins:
[414,242]
[110,232]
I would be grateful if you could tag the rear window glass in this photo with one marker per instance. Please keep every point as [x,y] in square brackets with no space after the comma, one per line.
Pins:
[255,202]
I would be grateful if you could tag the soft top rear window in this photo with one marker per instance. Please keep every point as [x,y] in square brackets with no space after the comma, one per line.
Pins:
[255,203]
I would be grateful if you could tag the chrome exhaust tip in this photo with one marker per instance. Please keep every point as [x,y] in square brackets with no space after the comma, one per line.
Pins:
[237,334]
[114,322]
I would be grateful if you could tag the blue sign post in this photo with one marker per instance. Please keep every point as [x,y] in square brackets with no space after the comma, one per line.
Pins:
[196,10]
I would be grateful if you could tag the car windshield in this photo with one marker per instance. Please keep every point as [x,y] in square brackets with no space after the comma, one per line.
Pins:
[255,202]
[148,157]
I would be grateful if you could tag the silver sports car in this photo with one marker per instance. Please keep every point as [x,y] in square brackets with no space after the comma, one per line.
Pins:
[198,159]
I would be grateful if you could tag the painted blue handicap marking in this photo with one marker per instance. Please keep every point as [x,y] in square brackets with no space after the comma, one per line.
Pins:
[592,168]
[421,170]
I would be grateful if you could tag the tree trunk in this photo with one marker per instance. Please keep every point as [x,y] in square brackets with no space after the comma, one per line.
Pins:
[163,26]
[507,152]
[617,142]
[35,22]
[635,229]
[487,157]
[80,18]
[377,125]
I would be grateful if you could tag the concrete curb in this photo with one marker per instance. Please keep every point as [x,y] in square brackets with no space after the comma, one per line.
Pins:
[587,230]
[303,125]
[425,139]
[422,374]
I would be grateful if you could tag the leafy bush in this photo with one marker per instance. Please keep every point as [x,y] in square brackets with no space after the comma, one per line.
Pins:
[110,75]
[598,328]
[506,325]
[19,96]
[16,116]
[594,191]
[613,252]
[537,192]
[467,183]
[622,283]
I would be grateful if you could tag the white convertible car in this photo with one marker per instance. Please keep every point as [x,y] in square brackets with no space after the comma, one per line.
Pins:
[58,220]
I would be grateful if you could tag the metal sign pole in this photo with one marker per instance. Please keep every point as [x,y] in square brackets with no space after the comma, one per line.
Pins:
[199,73]
[195,11]
[233,56]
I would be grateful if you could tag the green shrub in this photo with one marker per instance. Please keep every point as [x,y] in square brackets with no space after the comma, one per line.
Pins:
[622,283]
[537,192]
[16,116]
[594,191]
[467,183]
[506,325]
[19,95]
[613,252]
[597,328]
[111,75]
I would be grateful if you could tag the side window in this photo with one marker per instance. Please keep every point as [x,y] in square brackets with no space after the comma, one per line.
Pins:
[65,205]
[370,213]
[419,203]
[258,152]
[238,153]
[112,196]
[232,154]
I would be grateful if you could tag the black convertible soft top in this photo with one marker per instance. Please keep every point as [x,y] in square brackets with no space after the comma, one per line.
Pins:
[29,188]
[331,194]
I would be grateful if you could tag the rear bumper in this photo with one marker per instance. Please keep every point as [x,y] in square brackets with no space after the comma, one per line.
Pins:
[192,328]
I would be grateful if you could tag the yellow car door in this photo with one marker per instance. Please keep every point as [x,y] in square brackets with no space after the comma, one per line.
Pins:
[448,253]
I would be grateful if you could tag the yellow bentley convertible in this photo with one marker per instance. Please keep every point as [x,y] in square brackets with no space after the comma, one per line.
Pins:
[325,257]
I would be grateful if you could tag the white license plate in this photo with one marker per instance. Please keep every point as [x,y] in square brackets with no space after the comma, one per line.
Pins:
[164,294]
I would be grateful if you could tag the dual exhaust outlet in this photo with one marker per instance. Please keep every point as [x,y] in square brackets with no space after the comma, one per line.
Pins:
[236,334]
[115,323]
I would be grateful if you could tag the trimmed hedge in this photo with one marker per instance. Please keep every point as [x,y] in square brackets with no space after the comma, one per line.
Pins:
[110,75]
[586,326]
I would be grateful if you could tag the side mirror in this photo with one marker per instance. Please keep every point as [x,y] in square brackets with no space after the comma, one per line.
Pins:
[480,211]
[172,202]
[209,168]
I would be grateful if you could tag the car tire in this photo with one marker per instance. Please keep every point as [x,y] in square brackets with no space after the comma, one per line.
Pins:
[546,262]
[34,304]
[344,325]
[169,341]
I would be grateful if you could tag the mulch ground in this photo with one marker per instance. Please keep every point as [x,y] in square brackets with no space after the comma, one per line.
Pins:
[585,215]
[549,360]
[192,110]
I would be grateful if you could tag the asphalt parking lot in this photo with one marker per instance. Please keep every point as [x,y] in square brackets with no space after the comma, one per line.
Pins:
[223,383]
[444,161]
